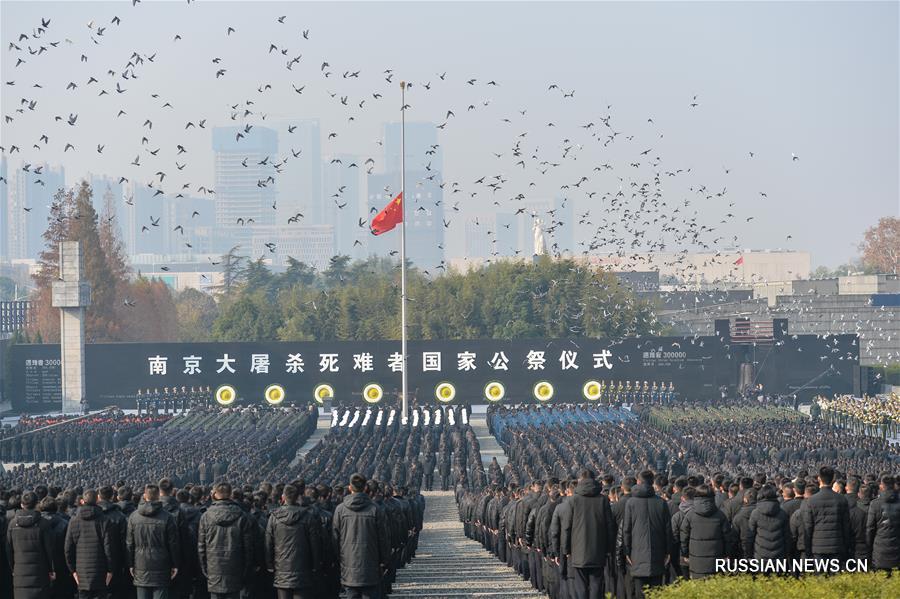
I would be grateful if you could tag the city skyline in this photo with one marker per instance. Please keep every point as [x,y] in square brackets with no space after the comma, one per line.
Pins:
[733,144]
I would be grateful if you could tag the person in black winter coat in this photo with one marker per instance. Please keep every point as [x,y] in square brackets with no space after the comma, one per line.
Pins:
[89,549]
[63,586]
[883,526]
[116,523]
[858,515]
[705,534]
[294,546]
[591,536]
[646,535]
[768,529]
[152,546]
[740,522]
[362,540]
[225,545]
[826,521]
[29,551]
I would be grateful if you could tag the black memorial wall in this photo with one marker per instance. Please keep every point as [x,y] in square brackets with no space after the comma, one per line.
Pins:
[697,366]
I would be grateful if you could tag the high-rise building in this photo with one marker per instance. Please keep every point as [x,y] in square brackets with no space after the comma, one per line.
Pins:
[145,223]
[30,208]
[244,182]
[300,180]
[194,218]
[424,217]
[4,211]
[310,244]
[343,204]
[423,153]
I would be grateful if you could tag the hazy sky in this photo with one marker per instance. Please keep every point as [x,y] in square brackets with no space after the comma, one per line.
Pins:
[816,79]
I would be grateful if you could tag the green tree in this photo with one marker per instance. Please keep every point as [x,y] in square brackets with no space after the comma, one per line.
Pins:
[197,312]
[336,273]
[250,317]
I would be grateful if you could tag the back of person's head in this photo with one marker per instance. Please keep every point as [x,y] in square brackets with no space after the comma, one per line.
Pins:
[733,489]
[888,482]
[124,493]
[222,491]
[647,478]
[693,481]
[586,474]
[688,493]
[826,475]
[29,500]
[105,493]
[853,485]
[746,482]
[750,495]
[151,493]
[165,486]
[704,491]
[289,494]
[759,479]
[661,480]
[183,496]
[357,483]
[48,505]
[868,492]
[767,492]
[196,495]
[89,497]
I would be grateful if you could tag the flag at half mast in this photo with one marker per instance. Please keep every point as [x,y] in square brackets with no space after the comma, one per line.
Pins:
[389,217]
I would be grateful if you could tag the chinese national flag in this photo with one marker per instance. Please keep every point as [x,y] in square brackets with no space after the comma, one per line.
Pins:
[389,217]
[739,261]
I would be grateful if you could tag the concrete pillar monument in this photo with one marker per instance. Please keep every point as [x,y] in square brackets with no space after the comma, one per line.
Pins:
[71,295]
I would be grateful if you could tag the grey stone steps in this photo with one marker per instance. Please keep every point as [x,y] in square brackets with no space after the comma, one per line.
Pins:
[450,565]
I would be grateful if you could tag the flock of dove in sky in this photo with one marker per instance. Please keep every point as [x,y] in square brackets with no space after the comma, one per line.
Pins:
[632,208]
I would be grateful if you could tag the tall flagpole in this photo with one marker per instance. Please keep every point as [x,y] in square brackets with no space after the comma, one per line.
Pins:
[405,414]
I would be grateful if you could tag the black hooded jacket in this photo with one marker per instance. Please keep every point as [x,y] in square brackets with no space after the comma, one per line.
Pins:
[704,536]
[29,550]
[225,547]
[592,533]
[768,531]
[826,524]
[89,548]
[294,549]
[152,543]
[883,530]
[362,540]
[646,532]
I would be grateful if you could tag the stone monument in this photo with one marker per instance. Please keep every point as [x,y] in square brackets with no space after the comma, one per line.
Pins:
[71,295]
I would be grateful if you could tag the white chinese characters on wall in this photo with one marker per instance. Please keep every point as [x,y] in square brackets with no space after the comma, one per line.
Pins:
[431,361]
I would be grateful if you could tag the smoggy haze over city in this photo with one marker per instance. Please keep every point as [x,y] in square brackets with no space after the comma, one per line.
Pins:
[810,89]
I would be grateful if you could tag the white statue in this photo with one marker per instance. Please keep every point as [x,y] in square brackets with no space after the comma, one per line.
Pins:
[540,242]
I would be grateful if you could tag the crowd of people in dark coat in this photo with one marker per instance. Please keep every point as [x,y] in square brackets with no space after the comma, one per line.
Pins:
[70,438]
[95,530]
[290,541]
[245,444]
[437,442]
[594,499]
